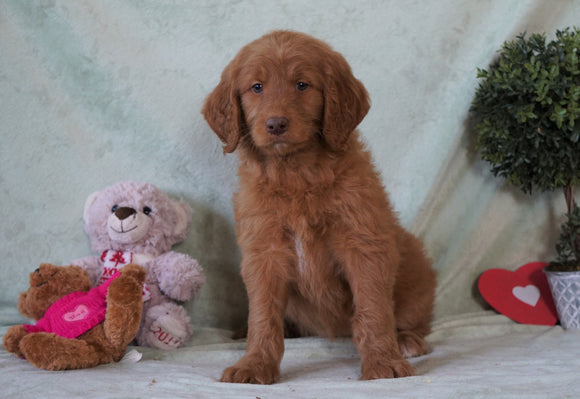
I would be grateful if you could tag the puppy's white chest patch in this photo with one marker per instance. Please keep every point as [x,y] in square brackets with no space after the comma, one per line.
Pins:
[300,255]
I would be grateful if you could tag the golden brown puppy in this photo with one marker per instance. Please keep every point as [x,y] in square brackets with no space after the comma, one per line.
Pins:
[320,243]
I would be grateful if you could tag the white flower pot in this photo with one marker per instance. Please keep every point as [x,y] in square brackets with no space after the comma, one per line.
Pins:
[565,287]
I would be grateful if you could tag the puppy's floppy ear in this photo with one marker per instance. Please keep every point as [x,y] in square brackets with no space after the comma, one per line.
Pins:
[222,110]
[346,102]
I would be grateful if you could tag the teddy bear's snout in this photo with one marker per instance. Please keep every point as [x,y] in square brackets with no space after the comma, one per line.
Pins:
[124,212]
[127,225]
[41,275]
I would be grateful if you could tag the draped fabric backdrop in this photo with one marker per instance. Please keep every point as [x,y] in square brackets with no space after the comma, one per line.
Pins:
[94,92]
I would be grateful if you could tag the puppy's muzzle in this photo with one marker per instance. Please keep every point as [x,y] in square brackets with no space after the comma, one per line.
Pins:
[277,126]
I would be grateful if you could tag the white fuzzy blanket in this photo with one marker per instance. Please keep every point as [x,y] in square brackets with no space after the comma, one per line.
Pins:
[473,356]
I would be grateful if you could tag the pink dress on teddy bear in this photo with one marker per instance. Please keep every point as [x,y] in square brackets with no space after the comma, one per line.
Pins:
[74,314]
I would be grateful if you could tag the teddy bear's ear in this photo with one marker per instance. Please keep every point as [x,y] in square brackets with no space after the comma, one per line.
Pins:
[183,214]
[88,205]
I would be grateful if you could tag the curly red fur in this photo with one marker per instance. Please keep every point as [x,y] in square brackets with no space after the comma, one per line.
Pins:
[320,243]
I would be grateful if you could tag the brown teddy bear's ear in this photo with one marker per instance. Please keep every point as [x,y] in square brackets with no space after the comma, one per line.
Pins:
[222,110]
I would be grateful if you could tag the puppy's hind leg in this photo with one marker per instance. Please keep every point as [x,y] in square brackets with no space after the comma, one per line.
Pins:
[414,298]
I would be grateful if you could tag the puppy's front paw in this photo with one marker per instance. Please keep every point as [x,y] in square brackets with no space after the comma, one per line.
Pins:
[379,368]
[248,371]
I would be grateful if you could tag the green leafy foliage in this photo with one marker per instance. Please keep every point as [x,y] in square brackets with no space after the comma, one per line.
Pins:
[568,246]
[527,108]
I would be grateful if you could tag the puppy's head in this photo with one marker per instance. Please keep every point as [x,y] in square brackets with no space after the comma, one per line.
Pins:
[284,92]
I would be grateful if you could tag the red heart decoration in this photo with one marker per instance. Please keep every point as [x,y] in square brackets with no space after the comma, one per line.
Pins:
[523,296]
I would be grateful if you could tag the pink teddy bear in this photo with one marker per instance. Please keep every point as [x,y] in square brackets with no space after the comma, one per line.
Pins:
[132,222]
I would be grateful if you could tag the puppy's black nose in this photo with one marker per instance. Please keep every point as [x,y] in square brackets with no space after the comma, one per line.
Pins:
[277,125]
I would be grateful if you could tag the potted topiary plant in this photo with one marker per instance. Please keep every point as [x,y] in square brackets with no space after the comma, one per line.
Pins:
[564,274]
[527,112]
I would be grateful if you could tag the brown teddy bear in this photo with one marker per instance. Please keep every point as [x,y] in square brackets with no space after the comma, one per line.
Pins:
[77,327]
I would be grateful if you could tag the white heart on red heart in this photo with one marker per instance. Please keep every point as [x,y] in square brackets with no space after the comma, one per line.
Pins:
[529,294]
[522,295]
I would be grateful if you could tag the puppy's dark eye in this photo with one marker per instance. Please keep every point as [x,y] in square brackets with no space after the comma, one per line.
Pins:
[258,88]
[147,210]
[114,208]
[301,86]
